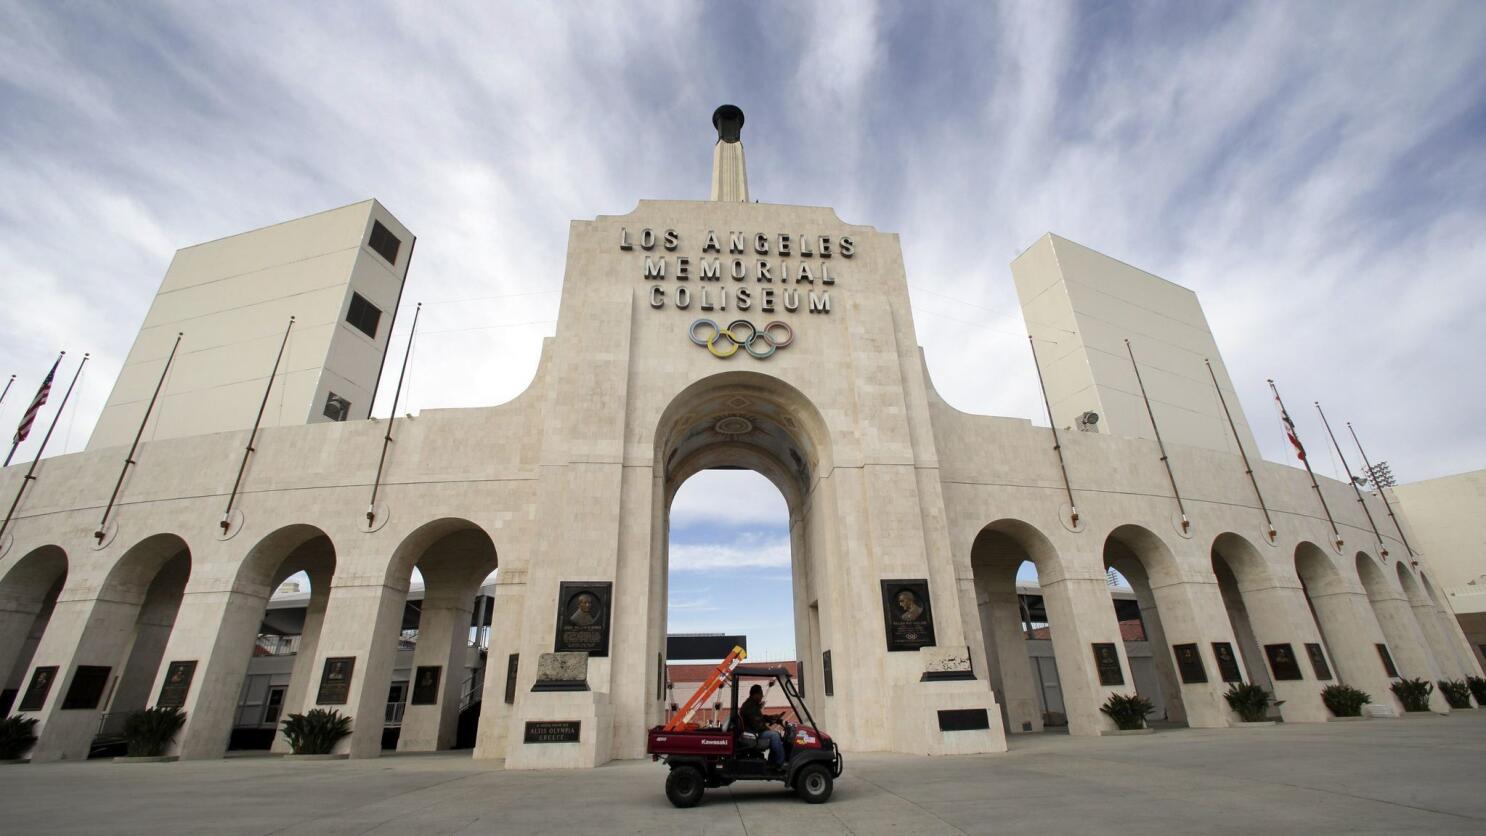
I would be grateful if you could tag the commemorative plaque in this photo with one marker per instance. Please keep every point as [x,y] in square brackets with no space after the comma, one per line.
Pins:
[177,684]
[583,617]
[907,614]
[828,681]
[1227,662]
[552,731]
[1189,663]
[1387,661]
[1107,662]
[426,685]
[1318,661]
[41,685]
[88,682]
[335,681]
[513,664]
[1282,662]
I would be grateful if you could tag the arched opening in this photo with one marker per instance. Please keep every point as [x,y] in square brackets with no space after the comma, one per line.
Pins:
[435,665]
[1322,584]
[1405,651]
[1453,629]
[1429,625]
[1232,557]
[1147,564]
[286,577]
[750,422]
[28,592]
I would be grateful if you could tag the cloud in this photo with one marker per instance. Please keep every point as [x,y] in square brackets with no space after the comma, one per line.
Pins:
[728,498]
[752,551]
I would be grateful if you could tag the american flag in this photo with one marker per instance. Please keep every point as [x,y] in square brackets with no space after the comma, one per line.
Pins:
[30,417]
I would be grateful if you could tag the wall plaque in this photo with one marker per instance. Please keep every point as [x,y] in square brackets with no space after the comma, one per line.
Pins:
[963,719]
[335,681]
[1107,662]
[552,731]
[1189,663]
[1282,662]
[1387,661]
[177,684]
[908,614]
[1318,661]
[583,617]
[426,685]
[41,685]
[513,664]
[88,682]
[828,681]
[1227,662]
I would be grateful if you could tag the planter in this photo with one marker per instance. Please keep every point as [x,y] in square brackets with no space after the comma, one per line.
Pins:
[314,757]
[1123,732]
[147,759]
[1344,719]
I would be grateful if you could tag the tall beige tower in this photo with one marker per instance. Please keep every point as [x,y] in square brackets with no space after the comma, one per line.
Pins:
[339,273]
[1080,306]
[729,172]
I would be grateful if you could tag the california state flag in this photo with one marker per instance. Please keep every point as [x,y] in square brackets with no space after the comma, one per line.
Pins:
[1290,428]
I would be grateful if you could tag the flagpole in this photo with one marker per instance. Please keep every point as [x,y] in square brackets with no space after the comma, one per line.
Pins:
[1057,445]
[226,522]
[129,458]
[7,388]
[31,471]
[1382,547]
[1248,468]
[371,507]
[1303,460]
[45,381]
[1161,445]
[1381,492]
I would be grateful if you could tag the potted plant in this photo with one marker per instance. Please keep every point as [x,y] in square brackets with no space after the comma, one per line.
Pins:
[148,732]
[1478,688]
[1456,693]
[316,731]
[16,736]
[1128,711]
[1250,701]
[1344,700]
[1413,693]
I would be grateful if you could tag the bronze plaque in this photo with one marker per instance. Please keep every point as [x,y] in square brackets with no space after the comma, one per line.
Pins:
[513,664]
[583,617]
[552,731]
[1387,661]
[1318,661]
[177,684]
[1189,663]
[829,680]
[41,685]
[1107,662]
[1282,662]
[1227,662]
[335,681]
[88,682]
[426,685]
[907,612]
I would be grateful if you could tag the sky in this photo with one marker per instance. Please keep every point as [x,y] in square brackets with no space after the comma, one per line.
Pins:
[1316,172]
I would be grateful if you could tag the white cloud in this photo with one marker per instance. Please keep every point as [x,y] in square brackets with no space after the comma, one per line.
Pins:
[749,552]
[728,498]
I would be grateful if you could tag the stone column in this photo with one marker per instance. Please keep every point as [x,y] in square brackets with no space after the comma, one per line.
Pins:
[1406,642]
[1080,613]
[1171,689]
[1352,634]
[1279,615]
[505,639]
[1455,636]
[1192,611]
[304,677]
[1429,624]
[19,623]
[443,640]
[1005,644]
[83,631]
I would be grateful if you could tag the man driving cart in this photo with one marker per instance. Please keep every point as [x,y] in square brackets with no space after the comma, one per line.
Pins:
[756,721]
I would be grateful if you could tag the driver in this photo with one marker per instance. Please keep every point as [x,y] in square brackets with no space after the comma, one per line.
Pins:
[756,721]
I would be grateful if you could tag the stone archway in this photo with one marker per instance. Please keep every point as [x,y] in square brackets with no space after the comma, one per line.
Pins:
[28,593]
[1345,620]
[1427,619]
[1450,626]
[1405,641]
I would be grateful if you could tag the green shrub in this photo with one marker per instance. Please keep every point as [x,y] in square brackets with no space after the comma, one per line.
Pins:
[1413,693]
[1478,688]
[1456,693]
[149,731]
[1344,700]
[316,731]
[1250,701]
[1128,711]
[16,736]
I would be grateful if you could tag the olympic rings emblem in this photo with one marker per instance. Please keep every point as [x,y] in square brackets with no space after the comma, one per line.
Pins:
[740,333]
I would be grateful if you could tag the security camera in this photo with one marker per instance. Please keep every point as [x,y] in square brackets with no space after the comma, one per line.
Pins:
[1087,421]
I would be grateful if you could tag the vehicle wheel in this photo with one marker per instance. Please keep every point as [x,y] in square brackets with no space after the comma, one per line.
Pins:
[684,786]
[814,783]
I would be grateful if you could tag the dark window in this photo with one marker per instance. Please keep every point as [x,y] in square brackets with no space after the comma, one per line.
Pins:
[364,315]
[384,243]
[337,408]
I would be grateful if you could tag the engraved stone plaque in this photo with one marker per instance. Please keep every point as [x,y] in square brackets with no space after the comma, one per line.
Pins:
[908,614]
[41,685]
[583,617]
[828,681]
[426,685]
[177,684]
[335,681]
[1318,661]
[552,731]
[513,664]
[1189,663]
[1282,662]
[1107,662]
[87,687]
[1227,662]
[1387,661]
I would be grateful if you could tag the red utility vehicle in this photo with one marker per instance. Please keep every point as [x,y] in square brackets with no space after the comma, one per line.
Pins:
[719,755]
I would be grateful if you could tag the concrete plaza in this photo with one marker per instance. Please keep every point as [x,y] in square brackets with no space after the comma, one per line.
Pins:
[1378,776]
